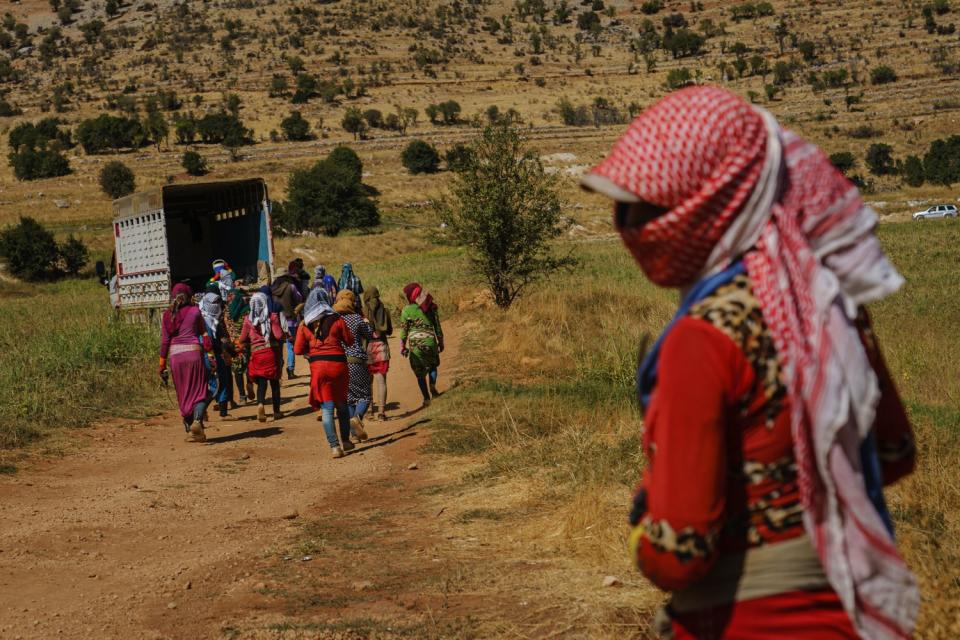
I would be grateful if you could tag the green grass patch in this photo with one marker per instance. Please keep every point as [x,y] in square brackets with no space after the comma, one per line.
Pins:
[64,361]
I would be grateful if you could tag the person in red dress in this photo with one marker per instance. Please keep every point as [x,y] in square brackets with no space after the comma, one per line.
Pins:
[263,334]
[321,338]
[771,422]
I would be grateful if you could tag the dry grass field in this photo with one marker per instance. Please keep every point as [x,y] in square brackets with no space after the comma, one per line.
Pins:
[538,442]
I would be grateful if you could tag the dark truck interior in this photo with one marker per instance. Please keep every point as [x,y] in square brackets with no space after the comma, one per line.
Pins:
[211,221]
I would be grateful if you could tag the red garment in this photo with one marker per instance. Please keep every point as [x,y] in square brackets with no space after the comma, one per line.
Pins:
[265,355]
[721,474]
[722,181]
[798,615]
[329,380]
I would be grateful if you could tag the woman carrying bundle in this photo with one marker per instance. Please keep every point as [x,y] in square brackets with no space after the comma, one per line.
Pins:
[263,335]
[421,338]
[359,395]
[350,281]
[320,338]
[378,349]
[771,422]
[184,340]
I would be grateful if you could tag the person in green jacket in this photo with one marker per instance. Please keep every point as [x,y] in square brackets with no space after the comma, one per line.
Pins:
[421,338]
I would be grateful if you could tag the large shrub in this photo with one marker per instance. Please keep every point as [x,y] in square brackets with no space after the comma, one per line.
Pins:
[879,159]
[35,150]
[882,75]
[345,157]
[844,161]
[420,157]
[109,133]
[30,251]
[913,173]
[73,255]
[458,157]
[328,198]
[295,127]
[193,163]
[117,179]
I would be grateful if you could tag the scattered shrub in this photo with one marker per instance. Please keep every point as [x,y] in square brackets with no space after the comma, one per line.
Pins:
[844,161]
[677,78]
[879,159]
[354,123]
[328,197]
[117,179]
[458,157]
[941,163]
[29,250]
[882,75]
[194,163]
[913,171]
[110,133]
[295,127]
[420,157]
[73,255]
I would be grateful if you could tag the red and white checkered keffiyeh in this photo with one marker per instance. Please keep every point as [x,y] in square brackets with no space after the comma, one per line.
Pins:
[735,184]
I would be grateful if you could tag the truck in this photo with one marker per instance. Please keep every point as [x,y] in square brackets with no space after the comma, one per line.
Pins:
[173,234]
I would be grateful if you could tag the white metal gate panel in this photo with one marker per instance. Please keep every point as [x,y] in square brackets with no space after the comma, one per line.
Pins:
[142,261]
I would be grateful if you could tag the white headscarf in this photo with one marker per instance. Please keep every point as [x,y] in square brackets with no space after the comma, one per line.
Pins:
[210,308]
[317,306]
[260,313]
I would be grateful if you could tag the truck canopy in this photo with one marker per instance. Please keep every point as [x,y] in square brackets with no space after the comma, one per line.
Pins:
[173,234]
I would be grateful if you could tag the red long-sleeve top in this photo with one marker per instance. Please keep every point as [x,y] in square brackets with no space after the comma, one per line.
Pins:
[721,475]
[307,344]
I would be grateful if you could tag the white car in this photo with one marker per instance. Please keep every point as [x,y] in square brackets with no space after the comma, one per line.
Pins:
[937,211]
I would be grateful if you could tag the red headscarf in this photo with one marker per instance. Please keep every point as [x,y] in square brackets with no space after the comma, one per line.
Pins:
[416,294]
[735,185]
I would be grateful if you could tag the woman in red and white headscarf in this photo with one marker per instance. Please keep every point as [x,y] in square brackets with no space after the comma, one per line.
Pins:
[771,422]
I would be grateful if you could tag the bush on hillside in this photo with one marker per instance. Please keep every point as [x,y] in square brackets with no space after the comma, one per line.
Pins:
[35,150]
[458,157]
[194,163]
[295,127]
[879,159]
[844,161]
[328,198]
[677,78]
[941,163]
[420,157]
[913,172]
[117,179]
[589,21]
[650,7]
[882,75]
[506,210]
[29,250]
[110,133]
[354,123]
[346,158]
[74,256]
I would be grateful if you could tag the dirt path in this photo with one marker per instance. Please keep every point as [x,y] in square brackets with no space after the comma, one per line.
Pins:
[142,535]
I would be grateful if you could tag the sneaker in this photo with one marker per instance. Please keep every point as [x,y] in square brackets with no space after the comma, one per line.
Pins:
[336,452]
[348,446]
[278,415]
[196,433]
[356,427]
[261,413]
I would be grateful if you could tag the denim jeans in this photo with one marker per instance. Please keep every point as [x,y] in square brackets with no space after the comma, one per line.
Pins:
[359,409]
[343,413]
[291,356]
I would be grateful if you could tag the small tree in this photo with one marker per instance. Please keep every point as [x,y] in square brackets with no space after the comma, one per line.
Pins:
[29,250]
[913,173]
[354,123]
[844,161]
[117,179]
[374,118]
[879,159]
[346,158]
[73,255]
[112,7]
[295,127]
[194,163]
[329,197]
[420,157]
[505,209]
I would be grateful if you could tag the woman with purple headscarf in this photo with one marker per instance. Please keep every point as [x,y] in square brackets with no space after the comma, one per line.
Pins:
[184,340]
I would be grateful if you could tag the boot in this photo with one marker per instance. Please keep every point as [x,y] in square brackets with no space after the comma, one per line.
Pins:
[291,375]
[433,391]
[261,413]
[348,446]
[277,415]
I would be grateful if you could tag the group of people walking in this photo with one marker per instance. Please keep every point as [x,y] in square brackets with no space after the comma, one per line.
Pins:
[226,343]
